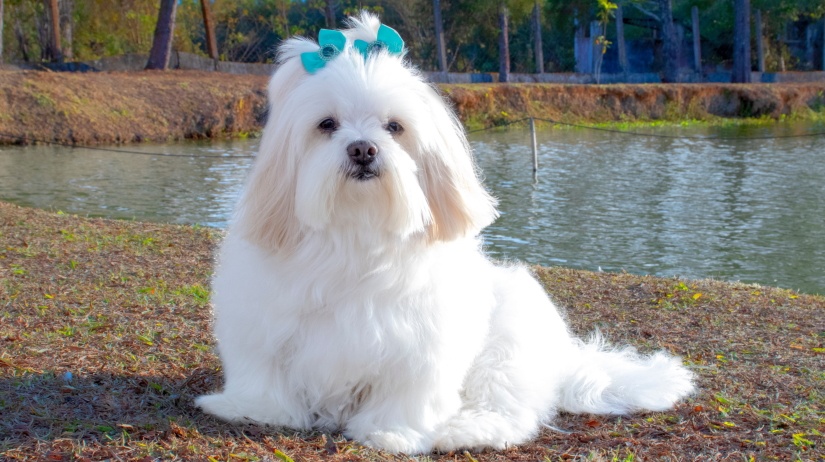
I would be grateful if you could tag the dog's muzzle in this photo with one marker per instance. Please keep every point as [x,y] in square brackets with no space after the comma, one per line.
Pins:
[362,155]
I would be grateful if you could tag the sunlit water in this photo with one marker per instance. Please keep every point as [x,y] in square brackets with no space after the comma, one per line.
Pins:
[745,209]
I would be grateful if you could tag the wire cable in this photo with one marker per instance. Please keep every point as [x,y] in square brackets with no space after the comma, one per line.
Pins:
[119,151]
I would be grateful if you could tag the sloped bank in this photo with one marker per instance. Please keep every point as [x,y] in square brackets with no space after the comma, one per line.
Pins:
[486,105]
[108,108]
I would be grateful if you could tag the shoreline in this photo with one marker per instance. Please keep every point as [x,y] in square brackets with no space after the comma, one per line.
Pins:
[152,106]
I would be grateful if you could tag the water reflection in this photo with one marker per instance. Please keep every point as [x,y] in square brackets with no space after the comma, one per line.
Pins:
[746,209]
[737,209]
[129,186]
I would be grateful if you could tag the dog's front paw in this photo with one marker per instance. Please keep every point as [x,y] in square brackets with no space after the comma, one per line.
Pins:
[220,406]
[458,437]
[477,430]
[397,442]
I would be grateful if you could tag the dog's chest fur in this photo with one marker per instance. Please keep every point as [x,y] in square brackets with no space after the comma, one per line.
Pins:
[361,327]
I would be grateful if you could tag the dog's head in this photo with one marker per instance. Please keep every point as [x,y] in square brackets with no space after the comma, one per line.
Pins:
[356,140]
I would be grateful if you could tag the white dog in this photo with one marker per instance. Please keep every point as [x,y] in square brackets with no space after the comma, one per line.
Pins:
[352,294]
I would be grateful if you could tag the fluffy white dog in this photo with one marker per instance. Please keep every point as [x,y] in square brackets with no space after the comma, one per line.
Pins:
[352,294]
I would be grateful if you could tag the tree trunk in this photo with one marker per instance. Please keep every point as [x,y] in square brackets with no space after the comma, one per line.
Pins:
[67,27]
[670,47]
[596,56]
[53,10]
[164,33]
[440,49]
[21,40]
[760,49]
[329,14]
[697,40]
[583,51]
[539,48]
[503,44]
[741,41]
[209,29]
[1,31]
[620,43]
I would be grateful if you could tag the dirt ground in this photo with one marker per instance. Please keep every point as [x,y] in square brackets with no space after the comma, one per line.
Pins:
[105,341]
[113,108]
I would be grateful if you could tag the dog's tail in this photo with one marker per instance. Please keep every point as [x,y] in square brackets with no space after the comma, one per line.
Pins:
[620,381]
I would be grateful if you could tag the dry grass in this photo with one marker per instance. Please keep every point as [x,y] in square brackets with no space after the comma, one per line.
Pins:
[126,107]
[104,343]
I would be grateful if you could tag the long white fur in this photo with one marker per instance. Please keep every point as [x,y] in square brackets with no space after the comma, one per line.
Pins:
[369,307]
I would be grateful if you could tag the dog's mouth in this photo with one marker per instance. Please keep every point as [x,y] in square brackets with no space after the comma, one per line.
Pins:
[362,172]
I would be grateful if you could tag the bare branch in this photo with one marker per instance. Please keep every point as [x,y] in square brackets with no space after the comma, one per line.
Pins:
[646,12]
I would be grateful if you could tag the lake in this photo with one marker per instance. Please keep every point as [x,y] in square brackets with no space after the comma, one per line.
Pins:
[749,207]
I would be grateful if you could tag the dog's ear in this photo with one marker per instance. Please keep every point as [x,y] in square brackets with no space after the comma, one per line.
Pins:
[266,213]
[459,204]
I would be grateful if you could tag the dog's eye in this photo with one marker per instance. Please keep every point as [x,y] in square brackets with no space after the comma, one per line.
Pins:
[394,127]
[328,125]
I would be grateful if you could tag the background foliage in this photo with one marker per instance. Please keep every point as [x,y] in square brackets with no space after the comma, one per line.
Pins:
[249,30]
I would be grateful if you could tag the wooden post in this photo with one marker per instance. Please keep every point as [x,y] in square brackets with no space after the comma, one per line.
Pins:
[760,48]
[620,40]
[697,40]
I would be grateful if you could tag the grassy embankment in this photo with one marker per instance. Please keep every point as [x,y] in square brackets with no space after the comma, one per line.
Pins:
[104,325]
[107,108]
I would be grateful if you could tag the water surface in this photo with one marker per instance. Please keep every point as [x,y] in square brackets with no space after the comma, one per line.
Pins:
[736,209]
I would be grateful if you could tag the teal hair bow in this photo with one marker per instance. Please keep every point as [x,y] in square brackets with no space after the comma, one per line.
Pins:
[331,42]
[388,39]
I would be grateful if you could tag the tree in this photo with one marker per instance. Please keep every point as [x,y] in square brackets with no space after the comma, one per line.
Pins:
[622,48]
[1,31]
[164,33]
[604,13]
[209,30]
[67,28]
[440,49]
[503,44]
[53,47]
[741,41]
[537,41]
[670,46]
[329,14]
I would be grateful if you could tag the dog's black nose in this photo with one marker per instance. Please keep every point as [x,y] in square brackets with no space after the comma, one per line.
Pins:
[362,152]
